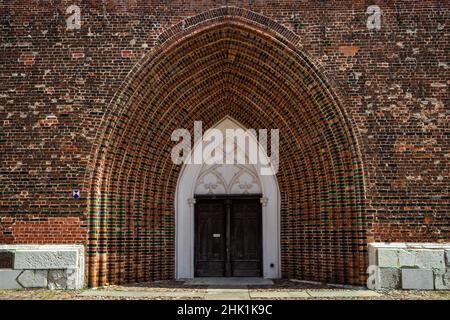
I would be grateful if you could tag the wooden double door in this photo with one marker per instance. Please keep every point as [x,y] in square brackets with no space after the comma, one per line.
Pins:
[228,237]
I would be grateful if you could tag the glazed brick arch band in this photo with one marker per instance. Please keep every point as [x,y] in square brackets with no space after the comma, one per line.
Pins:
[362,114]
[214,67]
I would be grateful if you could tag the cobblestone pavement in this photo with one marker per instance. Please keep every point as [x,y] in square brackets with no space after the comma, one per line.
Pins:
[176,290]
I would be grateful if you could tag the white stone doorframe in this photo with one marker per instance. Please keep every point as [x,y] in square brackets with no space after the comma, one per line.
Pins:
[184,218]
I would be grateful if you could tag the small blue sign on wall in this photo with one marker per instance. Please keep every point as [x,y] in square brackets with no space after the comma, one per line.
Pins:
[76,194]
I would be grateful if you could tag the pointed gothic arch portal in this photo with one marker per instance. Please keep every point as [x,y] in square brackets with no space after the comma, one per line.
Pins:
[219,180]
[236,63]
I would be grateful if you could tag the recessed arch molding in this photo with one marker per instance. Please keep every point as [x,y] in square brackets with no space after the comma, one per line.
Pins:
[226,62]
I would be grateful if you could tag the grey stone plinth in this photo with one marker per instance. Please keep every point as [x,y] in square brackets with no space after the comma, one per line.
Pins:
[417,279]
[421,265]
[33,279]
[57,279]
[389,278]
[8,279]
[45,259]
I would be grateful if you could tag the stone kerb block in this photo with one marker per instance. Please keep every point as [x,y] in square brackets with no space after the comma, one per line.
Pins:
[430,259]
[442,280]
[33,279]
[8,279]
[35,260]
[407,258]
[422,258]
[73,279]
[389,278]
[57,279]
[417,279]
[388,258]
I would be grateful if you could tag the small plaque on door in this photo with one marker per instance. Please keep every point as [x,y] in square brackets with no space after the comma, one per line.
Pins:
[216,235]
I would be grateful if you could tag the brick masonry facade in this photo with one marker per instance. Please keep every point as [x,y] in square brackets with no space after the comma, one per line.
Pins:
[363,118]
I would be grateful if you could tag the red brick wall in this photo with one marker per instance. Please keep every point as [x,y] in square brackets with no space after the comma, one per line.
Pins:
[381,106]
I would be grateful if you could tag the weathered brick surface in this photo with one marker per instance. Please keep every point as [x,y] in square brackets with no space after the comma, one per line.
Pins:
[363,117]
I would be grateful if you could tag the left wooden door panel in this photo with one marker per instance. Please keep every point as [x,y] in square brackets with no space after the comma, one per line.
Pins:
[210,240]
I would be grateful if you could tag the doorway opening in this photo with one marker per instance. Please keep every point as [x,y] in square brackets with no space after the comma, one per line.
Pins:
[227,219]
[228,236]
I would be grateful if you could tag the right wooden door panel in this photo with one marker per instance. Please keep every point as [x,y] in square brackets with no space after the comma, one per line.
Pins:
[246,250]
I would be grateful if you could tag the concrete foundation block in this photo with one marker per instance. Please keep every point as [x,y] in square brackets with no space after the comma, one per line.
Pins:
[389,278]
[430,259]
[57,279]
[417,279]
[8,279]
[442,280]
[388,258]
[422,258]
[407,258]
[45,259]
[33,279]
[72,280]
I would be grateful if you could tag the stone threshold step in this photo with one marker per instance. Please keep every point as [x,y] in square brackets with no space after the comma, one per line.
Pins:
[241,294]
[231,281]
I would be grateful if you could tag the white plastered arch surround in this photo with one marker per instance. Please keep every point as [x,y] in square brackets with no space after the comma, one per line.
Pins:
[184,215]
